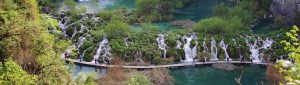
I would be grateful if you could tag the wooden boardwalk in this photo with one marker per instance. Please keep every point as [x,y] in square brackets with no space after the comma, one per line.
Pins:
[160,66]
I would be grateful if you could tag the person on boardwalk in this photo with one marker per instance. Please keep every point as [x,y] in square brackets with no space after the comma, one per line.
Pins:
[80,58]
[227,59]
[194,60]
[66,55]
[107,62]
[99,60]
[242,59]
[95,60]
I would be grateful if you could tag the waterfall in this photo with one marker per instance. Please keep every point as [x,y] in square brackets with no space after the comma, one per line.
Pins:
[267,44]
[254,49]
[205,49]
[103,47]
[83,53]
[234,41]
[126,41]
[63,26]
[74,33]
[190,53]
[178,46]
[213,49]
[224,47]
[161,44]
[81,28]
[80,41]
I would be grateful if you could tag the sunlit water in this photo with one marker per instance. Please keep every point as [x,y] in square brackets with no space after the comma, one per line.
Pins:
[207,75]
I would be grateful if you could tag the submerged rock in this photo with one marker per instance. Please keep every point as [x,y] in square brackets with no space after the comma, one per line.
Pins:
[185,24]
[225,66]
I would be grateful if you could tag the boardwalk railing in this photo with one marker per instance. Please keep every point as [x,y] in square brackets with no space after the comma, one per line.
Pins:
[160,66]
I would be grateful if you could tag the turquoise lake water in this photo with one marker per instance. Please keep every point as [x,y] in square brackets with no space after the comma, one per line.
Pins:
[206,75]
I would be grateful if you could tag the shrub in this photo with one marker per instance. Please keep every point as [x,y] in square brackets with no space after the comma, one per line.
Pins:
[138,78]
[160,76]
[88,57]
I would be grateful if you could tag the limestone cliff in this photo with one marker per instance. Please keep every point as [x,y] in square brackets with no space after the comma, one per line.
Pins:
[286,8]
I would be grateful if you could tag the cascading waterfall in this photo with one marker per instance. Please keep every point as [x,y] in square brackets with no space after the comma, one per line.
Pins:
[103,47]
[80,41]
[254,49]
[190,53]
[63,26]
[126,41]
[224,47]
[81,28]
[178,46]
[74,33]
[213,49]
[205,49]
[266,44]
[161,44]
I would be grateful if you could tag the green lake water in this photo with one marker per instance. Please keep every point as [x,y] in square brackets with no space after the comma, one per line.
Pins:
[206,75]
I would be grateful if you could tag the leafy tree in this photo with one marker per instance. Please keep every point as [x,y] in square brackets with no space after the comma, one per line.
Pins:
[292,72]
[139,78]
[26,39]
[220,10]
[218,25]
[12,74]
[116,27]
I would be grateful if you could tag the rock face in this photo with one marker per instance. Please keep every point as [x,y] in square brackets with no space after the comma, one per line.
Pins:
[225,66]
[286,8]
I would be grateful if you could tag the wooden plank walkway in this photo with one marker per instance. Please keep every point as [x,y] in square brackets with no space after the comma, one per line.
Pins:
[160,66]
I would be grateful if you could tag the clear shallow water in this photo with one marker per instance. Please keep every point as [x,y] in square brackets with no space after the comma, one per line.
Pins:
[88,70]
[206,75]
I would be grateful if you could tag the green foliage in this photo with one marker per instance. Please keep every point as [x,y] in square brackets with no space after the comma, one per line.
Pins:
[292,72]
[138,78]
[85,79]
[12,74]
[154,10]
[220,10]
[107,15]
[218,25]
[74,10]
[88,57]
[116,27]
